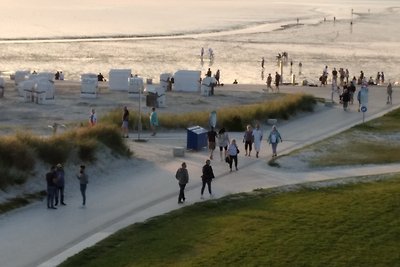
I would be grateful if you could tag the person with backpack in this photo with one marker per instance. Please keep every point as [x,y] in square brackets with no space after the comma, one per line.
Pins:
[273,139]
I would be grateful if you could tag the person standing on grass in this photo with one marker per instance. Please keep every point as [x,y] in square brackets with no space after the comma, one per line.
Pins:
[125,122]
[60,184]
[83,181]
[223,142]
[248,140]
[233,153]
[51,187]
[92,117]
[211,136]
[273,139]
[258,136]
[182,175]
[153,121]
[208,175]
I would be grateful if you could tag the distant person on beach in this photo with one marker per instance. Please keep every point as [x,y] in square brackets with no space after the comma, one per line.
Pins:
[382,78]
[258,136]
[269,82]
[125,122]
[273,139]
[60,184]
[389,91]
[182,175]
[378,78]
[223,142]
[233,152]
[100,77]
[334,75]
[83,181]
[61,76]
[262,62]
[206,177]
[209,73]
[235,82]
[248,140]
[153,121]
[202,53]
[51,187]
[277,81]
[57,75]
[300,66]
[217,76]
[211,137]
[92,117]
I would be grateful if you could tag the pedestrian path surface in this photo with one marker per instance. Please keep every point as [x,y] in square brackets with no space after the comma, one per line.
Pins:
[35,236]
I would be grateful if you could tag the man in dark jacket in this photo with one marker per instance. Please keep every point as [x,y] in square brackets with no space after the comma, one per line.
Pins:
[207,177]
[182,176]
[51,187]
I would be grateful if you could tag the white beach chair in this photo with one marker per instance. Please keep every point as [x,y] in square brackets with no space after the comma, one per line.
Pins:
[44,92]
[89,86]
[136,85]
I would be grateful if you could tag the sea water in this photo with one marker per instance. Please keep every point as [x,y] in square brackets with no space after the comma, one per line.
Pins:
[152,37]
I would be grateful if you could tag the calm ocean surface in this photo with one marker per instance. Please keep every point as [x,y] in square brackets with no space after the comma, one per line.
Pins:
[151,37]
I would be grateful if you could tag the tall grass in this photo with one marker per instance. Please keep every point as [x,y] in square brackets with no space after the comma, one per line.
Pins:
[20,153]
[232,118]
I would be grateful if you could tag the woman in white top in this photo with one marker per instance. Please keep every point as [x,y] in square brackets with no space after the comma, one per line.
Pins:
[233,152]
[258,136]
[223,141]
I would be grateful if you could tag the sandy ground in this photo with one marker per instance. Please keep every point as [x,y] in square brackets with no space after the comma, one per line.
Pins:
[70,109]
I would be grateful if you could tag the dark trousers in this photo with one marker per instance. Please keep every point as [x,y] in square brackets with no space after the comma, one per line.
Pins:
[83,192]
[181,192]
[59,191]
[208,182]
[50,196]
[233,159]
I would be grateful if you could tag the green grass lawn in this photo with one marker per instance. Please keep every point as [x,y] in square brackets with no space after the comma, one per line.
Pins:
[373,142]
[347,225]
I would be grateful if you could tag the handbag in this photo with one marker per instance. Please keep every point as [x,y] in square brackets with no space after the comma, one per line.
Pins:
[237,150]
[227,159]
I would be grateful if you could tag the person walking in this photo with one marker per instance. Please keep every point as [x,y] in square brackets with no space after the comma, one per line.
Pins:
[258,136]
[60,184]
[153,121]
[92,117]
[51,187]
[345,97]
[125,122]
[269,82]
[208,175]
[211,137]
[182,175]
[248,140]
[223,142]
[277,81]
[273,139]
[262,62]
[83,181]
[389,93]
[233,152]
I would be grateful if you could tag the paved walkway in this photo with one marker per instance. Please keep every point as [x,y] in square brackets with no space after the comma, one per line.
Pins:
[35,236]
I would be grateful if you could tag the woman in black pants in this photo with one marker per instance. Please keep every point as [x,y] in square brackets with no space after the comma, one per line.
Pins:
[233,152]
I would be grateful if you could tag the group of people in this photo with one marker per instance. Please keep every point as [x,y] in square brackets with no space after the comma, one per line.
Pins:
[125,122]
[277,81]
[59,75]
[55,180]
[229,151]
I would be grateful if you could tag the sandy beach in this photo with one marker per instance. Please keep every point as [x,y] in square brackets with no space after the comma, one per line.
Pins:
[72,110]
